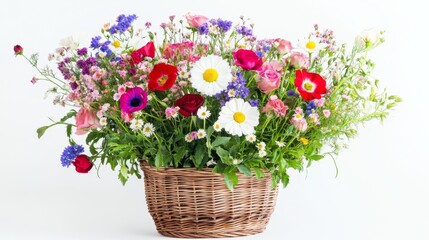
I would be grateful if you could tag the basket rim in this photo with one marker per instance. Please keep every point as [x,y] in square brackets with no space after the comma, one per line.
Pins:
[206,171]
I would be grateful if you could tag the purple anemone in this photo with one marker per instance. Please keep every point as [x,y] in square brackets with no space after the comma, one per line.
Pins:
[135,99]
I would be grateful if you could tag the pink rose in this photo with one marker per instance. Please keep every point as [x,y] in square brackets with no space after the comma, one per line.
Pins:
[269,77]
[276,105]
[299,60]
[196,20]
[86,119]
[284,46]
[247,59]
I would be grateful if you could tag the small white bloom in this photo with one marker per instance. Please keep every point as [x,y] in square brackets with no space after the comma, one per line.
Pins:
[211,162]
[261,146]
[188,138]
[311,44]
[69,43]
[217,127]
[368,39]
[280,143]
[231,93]
[136,124]
[203,113]
[148,129]
[262,153]
[201,133]
[137,114]
[101,54]
[251,138]
[235,161]
[103,121]
[238,117]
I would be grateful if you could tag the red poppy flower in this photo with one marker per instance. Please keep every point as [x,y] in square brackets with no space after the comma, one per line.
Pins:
[162,77]
[310,85]
[147,50]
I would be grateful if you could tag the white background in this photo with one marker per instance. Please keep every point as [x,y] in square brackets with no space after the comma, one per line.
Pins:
[381,192]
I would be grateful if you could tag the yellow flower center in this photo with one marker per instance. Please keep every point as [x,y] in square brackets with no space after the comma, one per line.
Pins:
[162,80]
[239,117]
[310,45]
[304,140]
[308,86]
[210,75]
[116,43]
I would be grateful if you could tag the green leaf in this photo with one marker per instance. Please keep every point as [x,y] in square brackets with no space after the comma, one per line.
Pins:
[245,170]
[123,174]
[231,180]
[285,179]
[69,130]
[42,130]
[258,173]
[220,141]
[180,154]
[69,115]
[91,136]
[316,157]
[222,153]
[210,131]
[158,158]
[200,151]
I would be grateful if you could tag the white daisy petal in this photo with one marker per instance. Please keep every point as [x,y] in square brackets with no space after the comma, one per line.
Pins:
[238,117]
[210,75]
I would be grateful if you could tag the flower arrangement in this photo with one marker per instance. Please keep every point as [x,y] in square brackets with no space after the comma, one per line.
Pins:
[202,92]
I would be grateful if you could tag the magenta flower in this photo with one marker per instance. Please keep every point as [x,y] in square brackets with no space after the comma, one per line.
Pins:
[135,99]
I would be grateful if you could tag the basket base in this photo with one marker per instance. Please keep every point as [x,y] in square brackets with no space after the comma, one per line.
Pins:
[209,235]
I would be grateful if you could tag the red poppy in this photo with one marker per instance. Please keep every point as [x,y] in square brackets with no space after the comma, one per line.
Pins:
[147,50]
[162,77]
[310,85]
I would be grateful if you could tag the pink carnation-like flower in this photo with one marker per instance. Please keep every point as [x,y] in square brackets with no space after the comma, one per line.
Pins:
[171,112]
[299,60]
[300,123]
[269,77]
[275,105]
[86,119]
[284,46]
[326,113]
[196,20]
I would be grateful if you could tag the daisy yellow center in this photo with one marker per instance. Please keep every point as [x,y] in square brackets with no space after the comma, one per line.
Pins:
[310,45]
[162,80]
[116,43]
[308,86]
[210,75]
[239,117]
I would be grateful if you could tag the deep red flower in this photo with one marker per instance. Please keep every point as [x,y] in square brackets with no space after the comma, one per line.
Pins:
[189,104]
[310,85]
[82,164]
[247,59]
[162,77]
[147,50]
[18,49]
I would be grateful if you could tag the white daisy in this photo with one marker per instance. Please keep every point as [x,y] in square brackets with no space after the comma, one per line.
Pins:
[188,138]
[210,75]
[211,162]
[261,146]
[203,113]
[251,138]
[238,117]
[217,127]
[148,129]
[201,134]
[311,44]
[103,121]
[136,124]
[262,153]
[280,143]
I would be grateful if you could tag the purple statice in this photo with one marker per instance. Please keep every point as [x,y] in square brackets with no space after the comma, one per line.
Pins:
[95,42]
[203,29]
[73,85]
[82,51]
[223,25]
[238,87]
[85,65]
[243,30]
[70,153]
[122,23]
[65,71]
[266,48]
[292,93]
[310,107]
[253,102]
[67,60]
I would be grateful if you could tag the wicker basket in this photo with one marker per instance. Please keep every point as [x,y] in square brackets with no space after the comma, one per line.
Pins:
[187,203]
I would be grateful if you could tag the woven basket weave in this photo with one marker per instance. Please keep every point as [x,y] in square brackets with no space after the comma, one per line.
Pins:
[188,203]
